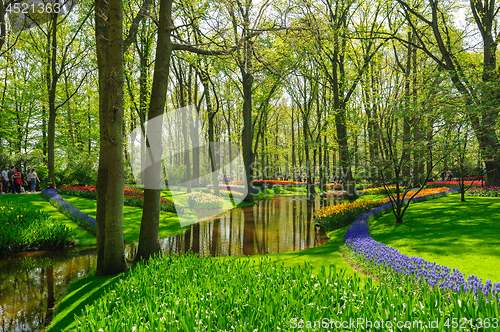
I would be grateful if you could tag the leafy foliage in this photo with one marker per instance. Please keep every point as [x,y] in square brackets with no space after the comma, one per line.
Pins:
[26,228]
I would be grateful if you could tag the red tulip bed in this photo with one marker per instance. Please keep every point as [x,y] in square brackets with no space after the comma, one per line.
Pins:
[273,182]
[131,197]
[452,183]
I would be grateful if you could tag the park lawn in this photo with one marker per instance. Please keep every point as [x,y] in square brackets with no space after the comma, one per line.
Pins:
[82,237]
[169,223]
[324,255]
[371,197]
[458,235]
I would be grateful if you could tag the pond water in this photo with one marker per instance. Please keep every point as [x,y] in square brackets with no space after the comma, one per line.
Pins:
[31,283]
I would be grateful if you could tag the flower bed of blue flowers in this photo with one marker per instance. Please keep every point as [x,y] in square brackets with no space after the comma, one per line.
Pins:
[390,261]
[81,218]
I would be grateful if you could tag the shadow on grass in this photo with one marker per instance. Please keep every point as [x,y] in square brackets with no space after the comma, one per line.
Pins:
[81,293]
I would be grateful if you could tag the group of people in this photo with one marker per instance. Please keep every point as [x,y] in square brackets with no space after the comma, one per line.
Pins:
[449,176]
[13,180]
[227,178]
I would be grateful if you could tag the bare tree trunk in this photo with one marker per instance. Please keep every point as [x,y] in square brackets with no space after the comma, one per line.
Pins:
[109,44]
[195,140]
[247,135]
[52,85]
[149,242]
[70,121]
[406,118]
[293,141]
[212,151]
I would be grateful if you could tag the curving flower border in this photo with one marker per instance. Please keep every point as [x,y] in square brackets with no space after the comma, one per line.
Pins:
[358,239]
[132,197]
[81,218]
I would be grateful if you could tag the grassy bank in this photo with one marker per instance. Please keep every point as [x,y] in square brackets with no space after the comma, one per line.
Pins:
[169,224]
[206,294]
[448,232]
[434,230]
[81,236]
[88,290]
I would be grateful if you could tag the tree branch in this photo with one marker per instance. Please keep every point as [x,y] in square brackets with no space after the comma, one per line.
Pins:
[135,25]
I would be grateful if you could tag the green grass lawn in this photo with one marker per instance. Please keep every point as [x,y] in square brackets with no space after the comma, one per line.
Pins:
[371,197]
[82,237]
[455,234]
[169,224]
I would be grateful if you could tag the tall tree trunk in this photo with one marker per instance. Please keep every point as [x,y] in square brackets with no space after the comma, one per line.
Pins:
[144,57]
[3,28]
[109,45]
[325,162]
[339,103]
[149,242]
[428,130]
[293,141]
[52,86]
[263,154]
[229,142]
[309,184]
[89,119]
[70,120]
[247,134]
[212,151]
[419,130]
[195,139]
[406,118]
[184,125]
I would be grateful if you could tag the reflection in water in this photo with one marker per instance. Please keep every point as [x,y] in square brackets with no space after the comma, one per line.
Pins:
[30,283]
[271,226]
